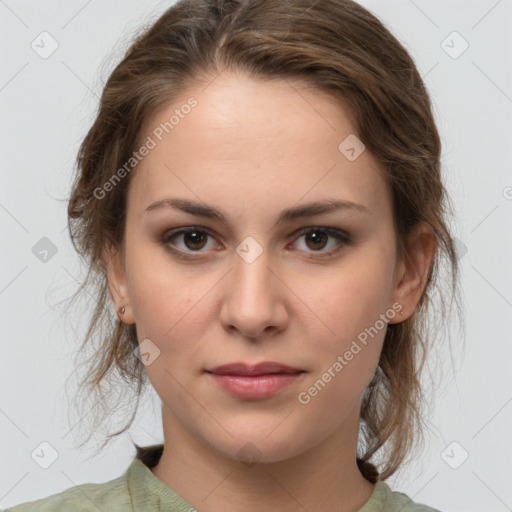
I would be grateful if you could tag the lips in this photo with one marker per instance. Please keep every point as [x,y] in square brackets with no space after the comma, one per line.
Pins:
[255,382]
[264,368]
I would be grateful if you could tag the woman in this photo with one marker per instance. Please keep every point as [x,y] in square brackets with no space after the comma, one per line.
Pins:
[260,198]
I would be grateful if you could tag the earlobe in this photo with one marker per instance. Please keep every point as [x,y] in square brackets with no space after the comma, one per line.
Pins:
[115,272]
[413,271]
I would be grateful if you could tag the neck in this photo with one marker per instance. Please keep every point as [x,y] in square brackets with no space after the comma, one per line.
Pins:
[324,477]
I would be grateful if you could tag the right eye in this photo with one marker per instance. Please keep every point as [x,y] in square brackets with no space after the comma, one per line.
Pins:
[191,240]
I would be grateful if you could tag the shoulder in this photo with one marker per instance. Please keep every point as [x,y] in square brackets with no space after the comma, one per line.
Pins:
[113,496]
[136,489]
[394,501]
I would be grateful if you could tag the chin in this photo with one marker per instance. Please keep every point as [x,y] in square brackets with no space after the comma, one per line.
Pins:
[251,449]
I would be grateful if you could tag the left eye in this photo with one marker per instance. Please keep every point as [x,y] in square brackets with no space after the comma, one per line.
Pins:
[316,239]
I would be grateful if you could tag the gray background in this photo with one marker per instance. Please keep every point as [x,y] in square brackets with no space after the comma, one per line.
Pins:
[47,106]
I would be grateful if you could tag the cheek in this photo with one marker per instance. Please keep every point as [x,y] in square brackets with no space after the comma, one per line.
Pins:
[345,369]
[171,309]
[346,359]
[347,316]
[353,296]
[166,314]
[159,293]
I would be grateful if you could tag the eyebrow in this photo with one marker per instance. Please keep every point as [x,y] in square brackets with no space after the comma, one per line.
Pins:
[289,214]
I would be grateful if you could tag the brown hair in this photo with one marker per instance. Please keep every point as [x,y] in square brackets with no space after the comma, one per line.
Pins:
[337,47]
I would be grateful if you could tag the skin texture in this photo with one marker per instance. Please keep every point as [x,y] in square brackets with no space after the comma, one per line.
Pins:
[251,149]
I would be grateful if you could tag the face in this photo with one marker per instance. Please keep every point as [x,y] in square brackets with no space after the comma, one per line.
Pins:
[251,237]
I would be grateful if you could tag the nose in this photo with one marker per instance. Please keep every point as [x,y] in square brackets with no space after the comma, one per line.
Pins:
[254,299]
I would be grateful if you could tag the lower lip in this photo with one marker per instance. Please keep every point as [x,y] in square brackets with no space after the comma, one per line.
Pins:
[255,386]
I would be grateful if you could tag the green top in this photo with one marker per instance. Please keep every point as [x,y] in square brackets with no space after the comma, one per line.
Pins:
[138,490]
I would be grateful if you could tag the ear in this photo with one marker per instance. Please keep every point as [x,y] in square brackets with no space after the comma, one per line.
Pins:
[114,265]
[413,270]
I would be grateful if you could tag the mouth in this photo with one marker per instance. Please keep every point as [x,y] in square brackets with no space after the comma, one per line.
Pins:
[258,381]
[264,368]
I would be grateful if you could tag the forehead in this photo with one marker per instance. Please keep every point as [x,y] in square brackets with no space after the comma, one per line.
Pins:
[264,140]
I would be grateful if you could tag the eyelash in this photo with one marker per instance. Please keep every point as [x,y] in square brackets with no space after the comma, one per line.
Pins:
[343,237]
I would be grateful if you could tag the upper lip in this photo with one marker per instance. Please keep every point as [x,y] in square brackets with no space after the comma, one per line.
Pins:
[264,368]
